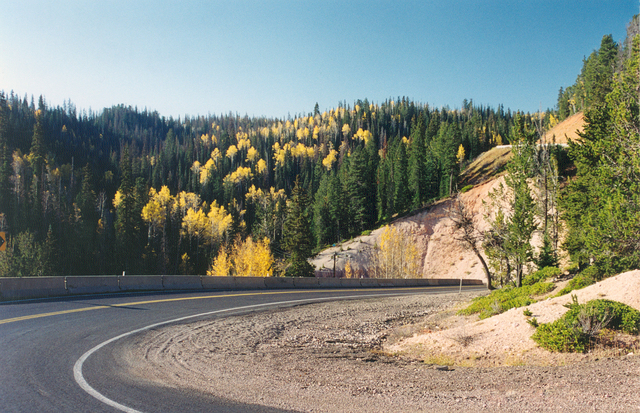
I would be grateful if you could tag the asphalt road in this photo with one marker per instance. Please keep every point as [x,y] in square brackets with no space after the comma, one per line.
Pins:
[57,355]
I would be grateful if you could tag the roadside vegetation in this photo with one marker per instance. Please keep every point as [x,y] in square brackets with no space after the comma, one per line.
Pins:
[587,325]
[511,296]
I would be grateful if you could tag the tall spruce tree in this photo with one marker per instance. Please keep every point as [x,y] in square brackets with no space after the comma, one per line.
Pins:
[602,205]
[417,165]
[521,221]
[298,238]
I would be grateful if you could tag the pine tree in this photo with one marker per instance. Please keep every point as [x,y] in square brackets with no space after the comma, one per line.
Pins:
[127,251]
[402,194]
[521,220]
[417,165]
[298,239]
[601,207]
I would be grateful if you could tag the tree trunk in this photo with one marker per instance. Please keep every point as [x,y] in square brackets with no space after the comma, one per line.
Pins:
[485,268]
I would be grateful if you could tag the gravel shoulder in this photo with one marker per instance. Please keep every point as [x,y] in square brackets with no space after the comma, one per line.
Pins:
[340,357]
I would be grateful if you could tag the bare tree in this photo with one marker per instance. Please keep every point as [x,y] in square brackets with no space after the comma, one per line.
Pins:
[467,233]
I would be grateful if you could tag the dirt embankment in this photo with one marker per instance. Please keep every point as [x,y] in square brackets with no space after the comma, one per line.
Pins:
[432,231]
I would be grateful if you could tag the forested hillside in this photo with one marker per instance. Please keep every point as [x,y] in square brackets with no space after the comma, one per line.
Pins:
[129,190]
[124,189]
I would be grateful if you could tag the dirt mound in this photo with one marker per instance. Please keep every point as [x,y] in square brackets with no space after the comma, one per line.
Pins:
[505,339]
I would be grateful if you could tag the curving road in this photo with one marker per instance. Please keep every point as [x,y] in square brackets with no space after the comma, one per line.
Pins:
[57,355]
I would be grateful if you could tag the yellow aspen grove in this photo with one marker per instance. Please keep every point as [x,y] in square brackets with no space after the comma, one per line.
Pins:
[397,255]
[244,143]
[205,171]
[155,212]
[117,199]
[239,175]
[363,135]
[194,223]
[221,265]
[252,259]
[219,222]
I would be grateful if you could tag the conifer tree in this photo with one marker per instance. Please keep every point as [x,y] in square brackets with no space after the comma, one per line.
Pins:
[417,165]
[601,207]
[298,239]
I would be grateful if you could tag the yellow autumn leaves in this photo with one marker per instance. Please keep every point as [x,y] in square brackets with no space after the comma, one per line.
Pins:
[207,226]
[397,255]
[247,259]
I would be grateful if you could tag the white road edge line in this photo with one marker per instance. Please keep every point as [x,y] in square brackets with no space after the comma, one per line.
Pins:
[77,368]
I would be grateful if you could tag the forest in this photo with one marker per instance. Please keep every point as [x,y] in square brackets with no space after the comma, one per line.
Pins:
[125,190]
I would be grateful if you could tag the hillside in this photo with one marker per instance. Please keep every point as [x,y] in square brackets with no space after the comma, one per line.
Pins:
[566,131]
[441,255]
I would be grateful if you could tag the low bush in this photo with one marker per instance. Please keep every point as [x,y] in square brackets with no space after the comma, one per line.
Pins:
[587,277]
[506,298]
[579,327]
[541,275]
[466,188]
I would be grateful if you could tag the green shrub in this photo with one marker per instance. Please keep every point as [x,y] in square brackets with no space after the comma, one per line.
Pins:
[579,326]
[541,275]
[466,188]
[527,312]
[622,317]
[366,232]
[561,337]
[586,278]
[504,299]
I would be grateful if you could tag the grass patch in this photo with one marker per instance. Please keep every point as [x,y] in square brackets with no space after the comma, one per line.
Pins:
[466,188]
[439,359]
[506,298]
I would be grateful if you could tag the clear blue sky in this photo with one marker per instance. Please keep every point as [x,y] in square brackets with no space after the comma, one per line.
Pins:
[271,58]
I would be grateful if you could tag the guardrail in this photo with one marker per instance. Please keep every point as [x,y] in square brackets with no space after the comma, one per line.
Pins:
[45,287]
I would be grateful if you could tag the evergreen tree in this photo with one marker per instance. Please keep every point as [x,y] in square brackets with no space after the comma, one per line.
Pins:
[417,165]
[298,239]
[5,163]
[521,221]
[402,194]
[601,206]
[127,251]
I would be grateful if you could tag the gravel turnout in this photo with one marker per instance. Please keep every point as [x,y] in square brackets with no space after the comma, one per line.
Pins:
[335,357]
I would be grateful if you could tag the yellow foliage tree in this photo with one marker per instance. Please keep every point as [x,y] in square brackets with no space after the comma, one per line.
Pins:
[329,160]
[461,154]
[252,259]
[346,130]
[397,255]
[221,265]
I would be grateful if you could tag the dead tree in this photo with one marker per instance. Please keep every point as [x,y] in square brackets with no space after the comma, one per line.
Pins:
[467,234]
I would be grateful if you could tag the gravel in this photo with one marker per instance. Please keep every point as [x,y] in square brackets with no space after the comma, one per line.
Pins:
[332,357]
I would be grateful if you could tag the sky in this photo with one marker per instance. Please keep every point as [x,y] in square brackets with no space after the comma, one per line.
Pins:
[279,58]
